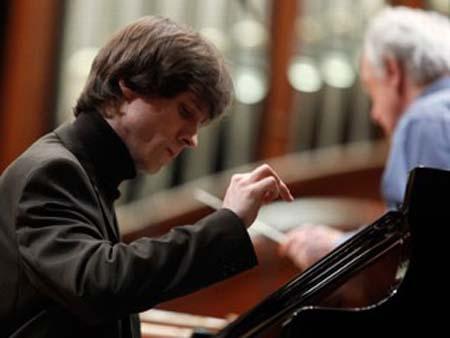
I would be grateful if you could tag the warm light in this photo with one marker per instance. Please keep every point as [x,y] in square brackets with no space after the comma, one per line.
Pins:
[304,76]
[337,70]
[250,85]
[249,34]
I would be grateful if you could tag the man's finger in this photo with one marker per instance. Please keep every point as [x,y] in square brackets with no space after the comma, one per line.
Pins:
[267,189]
[265,171]
[285,193]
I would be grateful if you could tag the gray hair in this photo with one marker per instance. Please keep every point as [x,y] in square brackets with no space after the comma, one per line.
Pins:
[419,39]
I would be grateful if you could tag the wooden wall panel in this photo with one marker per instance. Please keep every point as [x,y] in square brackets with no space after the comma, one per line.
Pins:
[28,76]
[274,138]
[409,3]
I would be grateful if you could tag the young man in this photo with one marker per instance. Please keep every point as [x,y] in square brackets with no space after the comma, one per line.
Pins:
[64,270]
[405,69]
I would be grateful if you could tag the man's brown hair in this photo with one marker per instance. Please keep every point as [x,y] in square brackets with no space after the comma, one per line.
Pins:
[155,57]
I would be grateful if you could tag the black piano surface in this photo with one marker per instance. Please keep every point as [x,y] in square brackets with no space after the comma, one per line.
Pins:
[414,303]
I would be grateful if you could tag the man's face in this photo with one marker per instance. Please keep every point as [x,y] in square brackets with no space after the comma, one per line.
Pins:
[156,130]
[385,96]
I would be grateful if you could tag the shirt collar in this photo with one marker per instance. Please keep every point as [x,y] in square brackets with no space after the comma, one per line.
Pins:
[437,85]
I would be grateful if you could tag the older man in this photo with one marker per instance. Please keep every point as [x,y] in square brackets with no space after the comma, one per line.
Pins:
[405,70]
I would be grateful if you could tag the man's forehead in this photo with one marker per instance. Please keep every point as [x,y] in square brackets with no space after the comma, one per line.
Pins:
[366,71]
[363,65]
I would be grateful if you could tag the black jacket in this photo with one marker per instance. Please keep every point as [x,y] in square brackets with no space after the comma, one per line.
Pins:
[64,271]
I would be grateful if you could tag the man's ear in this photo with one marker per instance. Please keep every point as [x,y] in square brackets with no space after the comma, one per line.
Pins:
[127,93]
[395,73]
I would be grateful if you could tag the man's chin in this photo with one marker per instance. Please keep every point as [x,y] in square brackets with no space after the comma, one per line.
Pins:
[153,170]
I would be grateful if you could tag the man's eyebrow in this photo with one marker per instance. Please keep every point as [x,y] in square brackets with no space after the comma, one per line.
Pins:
[192,109]
[197,105]
[197,108]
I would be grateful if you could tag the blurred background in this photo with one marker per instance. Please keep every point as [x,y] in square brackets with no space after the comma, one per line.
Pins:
[294,63]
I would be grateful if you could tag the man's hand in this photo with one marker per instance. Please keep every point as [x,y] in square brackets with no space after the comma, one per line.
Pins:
[248,192]
[308,243]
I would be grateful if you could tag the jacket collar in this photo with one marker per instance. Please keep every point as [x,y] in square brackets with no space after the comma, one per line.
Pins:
[100,150]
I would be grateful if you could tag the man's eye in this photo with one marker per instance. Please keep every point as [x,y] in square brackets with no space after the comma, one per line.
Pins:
[184,113]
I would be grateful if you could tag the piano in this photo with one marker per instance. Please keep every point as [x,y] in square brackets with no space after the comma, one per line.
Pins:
[417,232]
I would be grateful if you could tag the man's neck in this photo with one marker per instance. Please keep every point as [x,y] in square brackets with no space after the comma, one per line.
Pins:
[412,91]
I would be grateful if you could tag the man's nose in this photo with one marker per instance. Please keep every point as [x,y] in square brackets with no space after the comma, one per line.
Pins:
[191,141]
[375,116]
[194,141]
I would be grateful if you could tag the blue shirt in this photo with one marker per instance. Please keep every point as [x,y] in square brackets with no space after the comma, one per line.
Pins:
[421,138]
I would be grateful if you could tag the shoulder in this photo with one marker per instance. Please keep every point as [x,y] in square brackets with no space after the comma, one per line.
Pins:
[427,113]
[431,107]
[47,170]
[47,156]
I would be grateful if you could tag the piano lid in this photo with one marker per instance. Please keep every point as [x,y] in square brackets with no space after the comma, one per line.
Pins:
[424,202]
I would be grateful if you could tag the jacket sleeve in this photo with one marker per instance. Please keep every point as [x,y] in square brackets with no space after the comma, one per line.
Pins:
[66,257]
